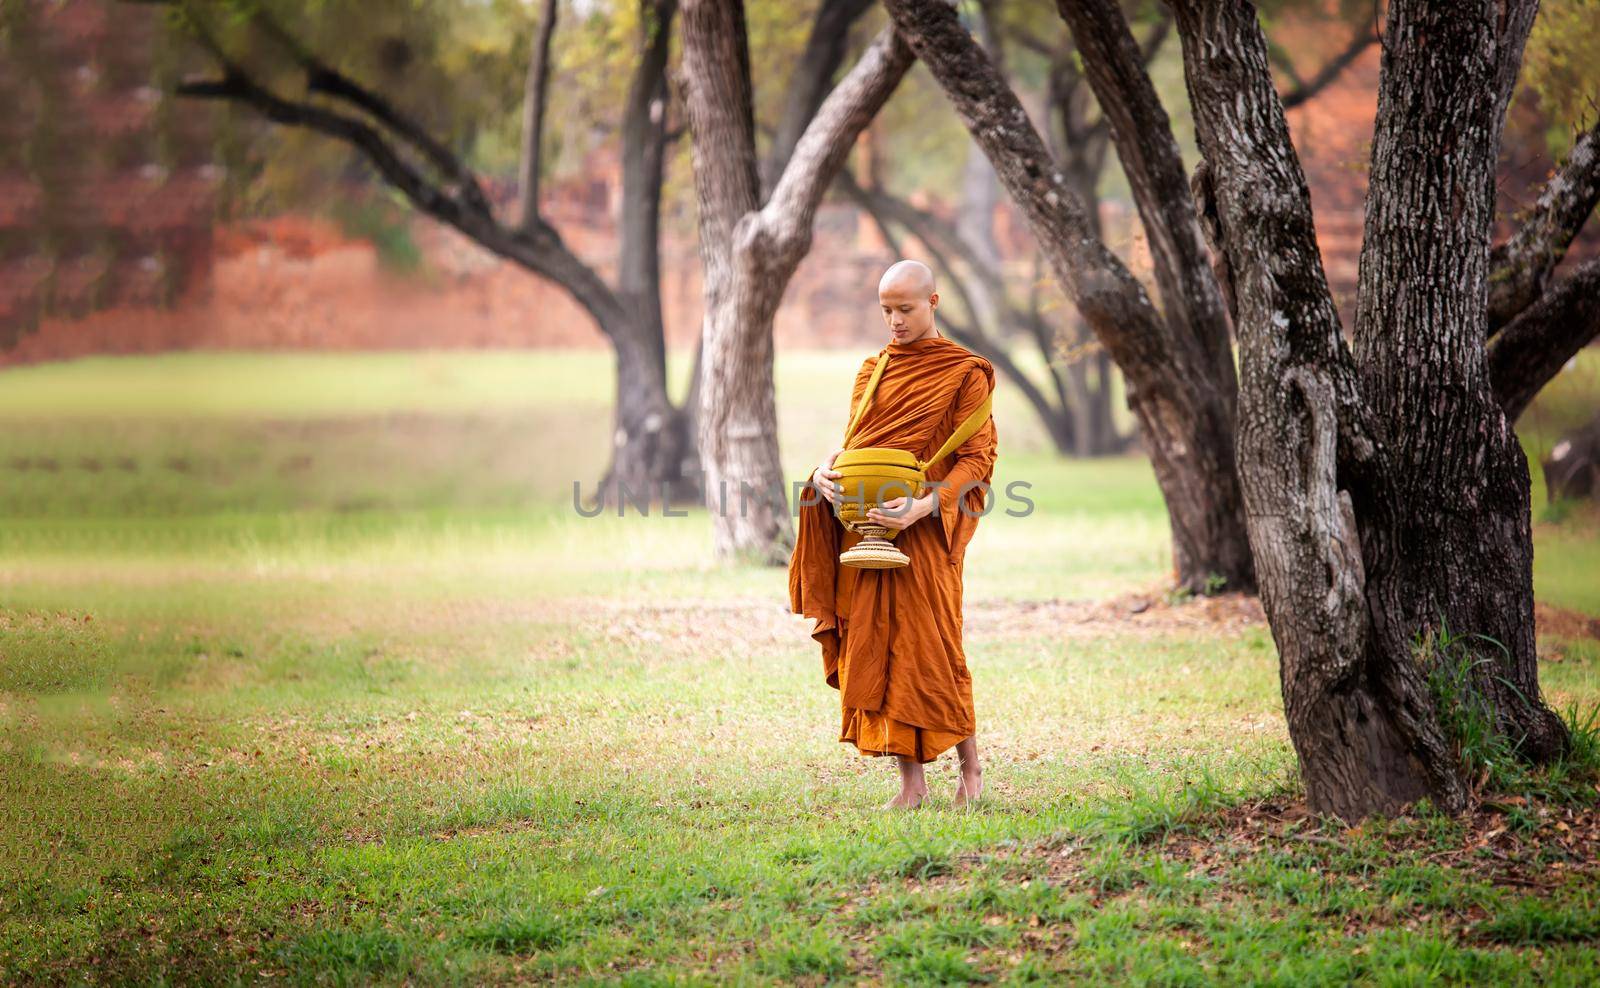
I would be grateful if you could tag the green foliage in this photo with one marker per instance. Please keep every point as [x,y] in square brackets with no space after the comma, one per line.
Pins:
[1561,66]
[1453,664]
[386,225]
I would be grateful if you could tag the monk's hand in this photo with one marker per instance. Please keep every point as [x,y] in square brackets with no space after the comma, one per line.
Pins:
[824,478]
[901,512]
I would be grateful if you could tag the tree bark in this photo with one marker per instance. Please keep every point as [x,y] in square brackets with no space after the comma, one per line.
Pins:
[1523,264]
[749,252]
[1421,322]
[1171,384]
[1320,493]
[654,440]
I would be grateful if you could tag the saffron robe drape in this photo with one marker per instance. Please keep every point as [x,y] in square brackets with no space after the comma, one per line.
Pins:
[891,638]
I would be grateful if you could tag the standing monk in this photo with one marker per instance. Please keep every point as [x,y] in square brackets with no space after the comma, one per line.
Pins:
[891,638]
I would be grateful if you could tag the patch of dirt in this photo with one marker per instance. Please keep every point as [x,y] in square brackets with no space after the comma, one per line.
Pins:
[1558,622]
[760,624]
[1505,841]
[752,624]
[1135,613]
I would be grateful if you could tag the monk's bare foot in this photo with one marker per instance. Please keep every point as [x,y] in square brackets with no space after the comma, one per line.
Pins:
[913,785]
[907,799]
[969,788]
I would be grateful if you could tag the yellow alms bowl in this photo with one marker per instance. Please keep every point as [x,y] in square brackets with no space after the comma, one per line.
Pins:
[872,475]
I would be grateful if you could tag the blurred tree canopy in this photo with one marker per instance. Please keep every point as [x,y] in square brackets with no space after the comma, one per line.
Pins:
[1561,67]
[458,66]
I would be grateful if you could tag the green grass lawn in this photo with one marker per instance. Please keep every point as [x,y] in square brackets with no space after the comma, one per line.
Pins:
[309,670]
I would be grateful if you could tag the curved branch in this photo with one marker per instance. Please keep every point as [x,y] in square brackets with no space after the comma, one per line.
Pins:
[1151,160]
[1525,355]
[821,150]
[1523,264]
[808,84]
[329,81]
[541,250]
[1110,298]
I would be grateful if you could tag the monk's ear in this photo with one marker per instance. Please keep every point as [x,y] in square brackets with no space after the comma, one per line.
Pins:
[933,300]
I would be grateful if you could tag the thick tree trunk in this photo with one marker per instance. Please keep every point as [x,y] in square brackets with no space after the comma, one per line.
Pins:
[653,452]
[1172,387]
[653,449]
[750,252]
[653,442]
[738,421]
[1323,508]
[1421,321]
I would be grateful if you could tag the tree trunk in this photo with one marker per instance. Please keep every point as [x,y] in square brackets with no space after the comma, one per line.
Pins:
[653,452]
[1323,507]
[1421,322]
[440,185]
[749,252]
[1172,387]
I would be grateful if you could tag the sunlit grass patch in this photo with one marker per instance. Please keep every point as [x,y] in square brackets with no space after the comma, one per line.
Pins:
[334,685]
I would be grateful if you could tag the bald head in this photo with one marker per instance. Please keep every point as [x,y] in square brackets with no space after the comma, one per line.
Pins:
[907,299]
[908,276]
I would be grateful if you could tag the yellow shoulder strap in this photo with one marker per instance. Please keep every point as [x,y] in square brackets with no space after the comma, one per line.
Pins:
[866,397]
[966,430]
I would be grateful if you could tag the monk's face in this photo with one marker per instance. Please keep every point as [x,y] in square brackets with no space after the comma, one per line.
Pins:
[907,310]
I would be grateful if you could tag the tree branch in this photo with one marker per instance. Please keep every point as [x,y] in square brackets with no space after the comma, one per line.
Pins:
[821,150]
[1113,64]
[540,250]
[811,79]
[240,88]
[534,99]
[1522,265]
[1304,90]
[1534,347]
[325,79]
[1110,298]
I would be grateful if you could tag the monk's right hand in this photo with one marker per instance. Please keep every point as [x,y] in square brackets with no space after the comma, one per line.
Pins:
[824,478]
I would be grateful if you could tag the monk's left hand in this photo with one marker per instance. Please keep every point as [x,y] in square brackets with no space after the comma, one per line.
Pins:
[902,512]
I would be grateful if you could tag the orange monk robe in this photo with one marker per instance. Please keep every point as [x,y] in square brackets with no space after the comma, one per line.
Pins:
[891,638]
